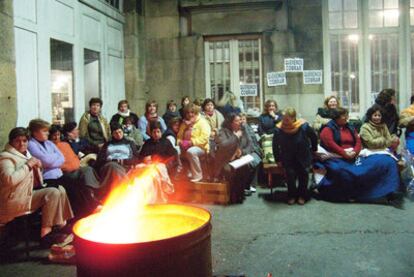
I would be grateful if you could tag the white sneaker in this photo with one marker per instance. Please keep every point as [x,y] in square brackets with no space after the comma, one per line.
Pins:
[196,179]
[252,189]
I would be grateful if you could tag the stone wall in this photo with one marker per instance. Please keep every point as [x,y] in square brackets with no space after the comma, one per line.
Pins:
[8,106]
[174,63]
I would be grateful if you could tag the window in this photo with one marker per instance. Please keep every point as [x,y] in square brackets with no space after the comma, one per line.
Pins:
[234,65]
[363,41]
[91,75]
[62,81]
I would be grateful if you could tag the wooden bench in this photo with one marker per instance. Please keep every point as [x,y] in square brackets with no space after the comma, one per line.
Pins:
[203,192]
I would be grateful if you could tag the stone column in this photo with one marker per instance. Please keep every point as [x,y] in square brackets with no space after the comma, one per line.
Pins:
[8,106]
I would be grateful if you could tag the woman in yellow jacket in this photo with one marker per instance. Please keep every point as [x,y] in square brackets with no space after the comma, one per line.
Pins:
[193,139]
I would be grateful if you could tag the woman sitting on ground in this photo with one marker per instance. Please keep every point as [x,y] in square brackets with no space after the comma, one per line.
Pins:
[123,113]
[294,142]
[374,132]
[369,178]
[21,187]
[171,112]
[193,139]
[93,126]
[269,118]
[233,142]
[324,114]
[116,158]
[81,197]
[151,109]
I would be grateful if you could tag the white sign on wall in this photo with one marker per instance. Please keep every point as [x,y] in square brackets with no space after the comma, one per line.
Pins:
[312,77]
[276,79]
[293,65]
[248,90]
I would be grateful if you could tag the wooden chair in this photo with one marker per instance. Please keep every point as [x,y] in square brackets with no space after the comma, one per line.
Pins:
[269,170]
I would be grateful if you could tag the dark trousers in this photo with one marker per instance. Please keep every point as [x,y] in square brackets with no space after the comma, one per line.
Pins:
[293,173]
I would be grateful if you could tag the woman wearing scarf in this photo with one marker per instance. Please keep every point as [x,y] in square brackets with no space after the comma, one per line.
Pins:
[293,143]
[123,113]
[324,114]
[171,112]
[151,114]
[193,139]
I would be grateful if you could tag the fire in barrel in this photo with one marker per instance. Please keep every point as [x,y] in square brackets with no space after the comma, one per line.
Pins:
[131,238]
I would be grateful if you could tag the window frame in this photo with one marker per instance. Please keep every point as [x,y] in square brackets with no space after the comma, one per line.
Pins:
[234,63]
[403,30]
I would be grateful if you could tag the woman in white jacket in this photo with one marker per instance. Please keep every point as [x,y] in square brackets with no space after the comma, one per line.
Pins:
[21,186]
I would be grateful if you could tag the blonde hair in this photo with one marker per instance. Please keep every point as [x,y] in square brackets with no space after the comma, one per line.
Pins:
[327,99]
[37,124]
[228,98]
[290,111]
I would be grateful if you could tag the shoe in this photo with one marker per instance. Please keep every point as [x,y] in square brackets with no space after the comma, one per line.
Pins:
[301,201]
[253,189]
[195,180]
[396,200]
[291,201]
[52,238]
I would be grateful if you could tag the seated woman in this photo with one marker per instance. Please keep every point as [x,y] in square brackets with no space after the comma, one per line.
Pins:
[386,99]
[171,136]
[82,198]
[193,139]
[151,114]
[214,118]
[233,142]
[116,158]
[185,100]
[93,126]
[132,133]
[366,179]
[171,112]
[294,141]
[158,148]
[123,113]
[324,114]
[269,118]
[71,167]
[80,146]
[374,133]
[21,187]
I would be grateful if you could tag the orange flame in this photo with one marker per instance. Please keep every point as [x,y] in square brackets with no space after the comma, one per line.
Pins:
[126,216]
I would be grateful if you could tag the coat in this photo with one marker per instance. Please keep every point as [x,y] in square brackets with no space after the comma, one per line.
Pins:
[295,149]
[16,184]
[200,133]
[267,124]
[84,131]
[215,121]
[375,136]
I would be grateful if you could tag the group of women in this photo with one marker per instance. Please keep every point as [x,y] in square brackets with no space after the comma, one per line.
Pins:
[67,171]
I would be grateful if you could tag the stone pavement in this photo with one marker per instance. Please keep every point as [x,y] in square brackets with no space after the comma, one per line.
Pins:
[318,239]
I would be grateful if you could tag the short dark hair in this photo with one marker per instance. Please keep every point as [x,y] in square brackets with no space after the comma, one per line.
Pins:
[69,127]
[120,103]
[115,126]
[54,128]
[207,101]
[18,132]
[173,121]
[374,108]
[171,103]
[229,120]
[155,124]
[338,112]
[95,100]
